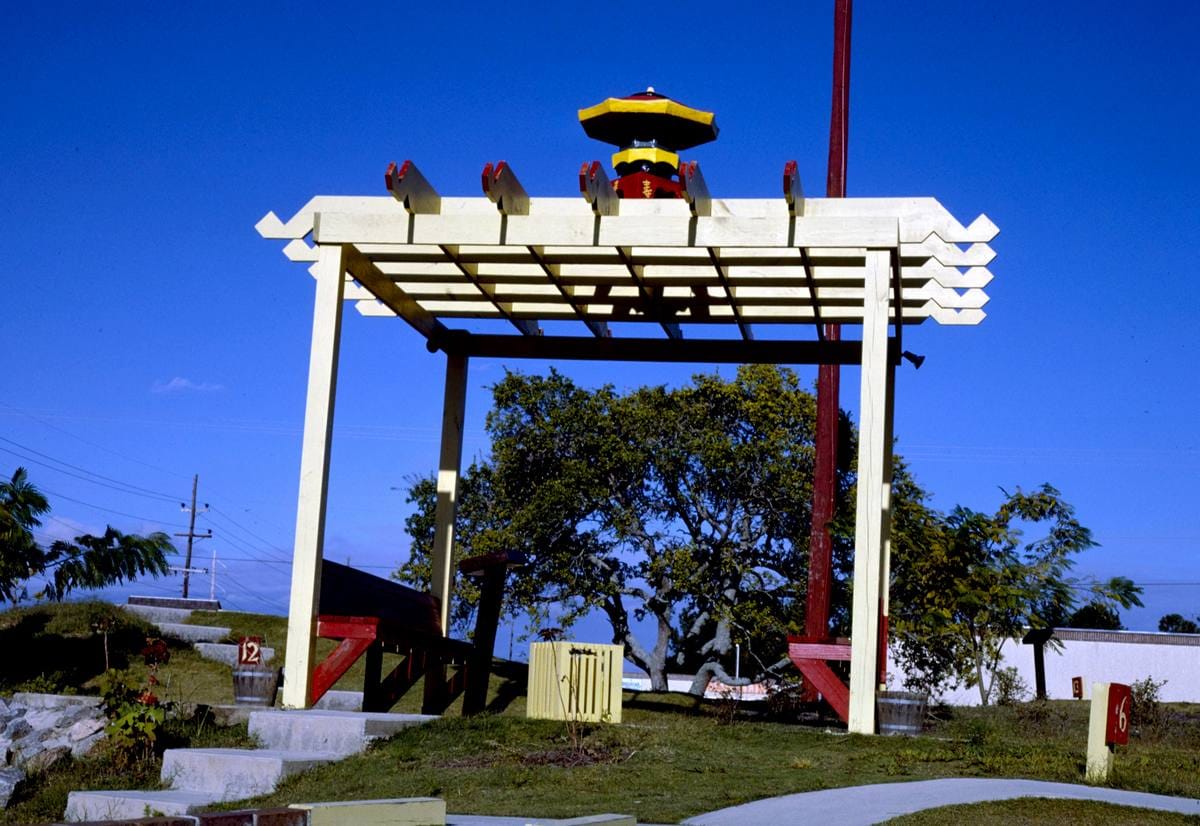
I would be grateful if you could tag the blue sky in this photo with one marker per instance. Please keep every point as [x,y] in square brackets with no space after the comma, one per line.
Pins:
[151,334]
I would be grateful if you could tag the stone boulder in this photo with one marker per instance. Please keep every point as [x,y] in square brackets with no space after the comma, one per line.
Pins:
[38,730]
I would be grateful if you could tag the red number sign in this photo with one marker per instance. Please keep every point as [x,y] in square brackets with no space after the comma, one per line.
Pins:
[250,651]
[1077,688]
[1120,704]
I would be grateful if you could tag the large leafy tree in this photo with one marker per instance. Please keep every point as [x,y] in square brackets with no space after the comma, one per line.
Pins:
[972,584]
[87,562]
[685,507]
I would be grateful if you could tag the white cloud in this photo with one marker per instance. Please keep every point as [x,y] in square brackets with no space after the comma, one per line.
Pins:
[180,384]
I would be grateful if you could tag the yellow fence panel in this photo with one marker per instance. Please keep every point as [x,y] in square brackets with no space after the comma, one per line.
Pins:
[575,681]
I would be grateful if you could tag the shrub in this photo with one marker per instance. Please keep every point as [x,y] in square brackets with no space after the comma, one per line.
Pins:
[1009,687]
[1148,715]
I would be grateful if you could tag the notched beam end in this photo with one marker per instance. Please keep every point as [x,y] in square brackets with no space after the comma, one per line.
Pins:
[597,189]
[502,188]
[412,189]
[695,190]
[793,191]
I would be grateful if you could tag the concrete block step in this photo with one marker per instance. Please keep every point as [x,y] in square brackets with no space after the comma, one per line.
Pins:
[193,633]
[157,614]
[318,730]
[120,805]
[227,652]
[235,774]
[191,604]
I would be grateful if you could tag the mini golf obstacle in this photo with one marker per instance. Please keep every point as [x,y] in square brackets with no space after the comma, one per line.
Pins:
[647,267]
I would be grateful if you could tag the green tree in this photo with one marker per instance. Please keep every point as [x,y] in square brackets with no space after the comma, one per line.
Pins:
[86,562]
[1097,615]
[968,586]
[1178,624]
[686,507]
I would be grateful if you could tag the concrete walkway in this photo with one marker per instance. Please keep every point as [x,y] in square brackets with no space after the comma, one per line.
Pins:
[872,804]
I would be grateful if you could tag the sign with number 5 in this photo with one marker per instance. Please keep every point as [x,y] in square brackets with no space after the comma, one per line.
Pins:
[1120,706]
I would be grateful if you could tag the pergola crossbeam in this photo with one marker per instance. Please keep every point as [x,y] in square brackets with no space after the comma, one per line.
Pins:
[527,327]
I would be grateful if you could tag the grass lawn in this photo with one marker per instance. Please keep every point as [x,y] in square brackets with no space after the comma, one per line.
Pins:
[1040,810]
[672,757]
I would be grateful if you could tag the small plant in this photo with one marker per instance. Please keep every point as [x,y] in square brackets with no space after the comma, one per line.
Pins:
[135,713]
[1148,715]
[1009,686]
[785,699]
[725,706]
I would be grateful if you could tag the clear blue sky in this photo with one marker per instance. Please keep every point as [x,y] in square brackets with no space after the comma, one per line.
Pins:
[151,334]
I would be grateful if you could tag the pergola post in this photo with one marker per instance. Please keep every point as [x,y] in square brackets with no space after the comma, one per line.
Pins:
[872,486]
[449,467]
[314,476]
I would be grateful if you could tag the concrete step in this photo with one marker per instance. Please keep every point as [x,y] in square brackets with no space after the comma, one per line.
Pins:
[235,774]
[193,633]
[120,805]
[191,604]
[336,732]
[157,614]
[227,652]
[332,701]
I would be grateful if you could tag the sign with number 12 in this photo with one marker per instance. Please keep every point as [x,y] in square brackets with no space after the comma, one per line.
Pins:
[250,651]
[1120,705]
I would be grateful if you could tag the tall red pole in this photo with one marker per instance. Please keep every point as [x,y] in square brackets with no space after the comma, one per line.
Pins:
[820,565]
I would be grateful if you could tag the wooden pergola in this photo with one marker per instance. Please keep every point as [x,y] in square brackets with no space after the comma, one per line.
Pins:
[697,274]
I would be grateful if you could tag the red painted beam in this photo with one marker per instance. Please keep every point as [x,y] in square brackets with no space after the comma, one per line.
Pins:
[336,664]
[832,689]
[820,562]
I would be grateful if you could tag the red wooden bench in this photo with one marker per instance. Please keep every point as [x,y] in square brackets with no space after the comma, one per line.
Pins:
[371,616]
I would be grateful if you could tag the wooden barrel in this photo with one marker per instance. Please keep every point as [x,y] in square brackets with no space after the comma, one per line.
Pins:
[900,712]
[255,685]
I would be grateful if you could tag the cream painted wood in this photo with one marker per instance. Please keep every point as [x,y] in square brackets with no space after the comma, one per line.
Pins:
[869,519]
[314,478]
[889,426]
[454,408]
[1099,755]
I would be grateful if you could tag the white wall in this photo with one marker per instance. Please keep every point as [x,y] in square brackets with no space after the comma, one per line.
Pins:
[1097,656]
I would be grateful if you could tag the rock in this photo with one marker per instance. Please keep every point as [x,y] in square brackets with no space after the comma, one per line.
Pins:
[3,707]
[9,778]
[45,758]
[32,700]
[84,746]
[17,729]
[85,728]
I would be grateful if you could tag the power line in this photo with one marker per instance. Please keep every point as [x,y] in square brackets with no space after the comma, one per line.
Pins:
[79,438]
[110,510]
[121,487]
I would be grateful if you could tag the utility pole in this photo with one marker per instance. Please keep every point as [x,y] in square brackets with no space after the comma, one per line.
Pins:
[191,533]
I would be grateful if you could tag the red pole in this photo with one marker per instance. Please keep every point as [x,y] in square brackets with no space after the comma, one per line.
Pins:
[820,565]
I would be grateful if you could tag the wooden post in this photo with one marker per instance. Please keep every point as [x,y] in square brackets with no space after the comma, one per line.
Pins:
[885,568]
[1099,753]
[869,520]
[314,478]
[449,463]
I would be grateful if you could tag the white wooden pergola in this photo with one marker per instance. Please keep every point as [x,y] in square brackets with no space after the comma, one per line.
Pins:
[673,267]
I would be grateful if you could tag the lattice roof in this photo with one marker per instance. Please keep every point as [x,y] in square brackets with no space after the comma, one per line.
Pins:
[666,263]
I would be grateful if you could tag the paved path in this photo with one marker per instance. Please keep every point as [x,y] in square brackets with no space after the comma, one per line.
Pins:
[872,804]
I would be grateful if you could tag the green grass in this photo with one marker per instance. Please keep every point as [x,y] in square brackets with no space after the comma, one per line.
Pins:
[1040,810]
[670,758]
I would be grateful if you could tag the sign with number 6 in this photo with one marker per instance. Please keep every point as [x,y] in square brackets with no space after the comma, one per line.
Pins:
[1120,706]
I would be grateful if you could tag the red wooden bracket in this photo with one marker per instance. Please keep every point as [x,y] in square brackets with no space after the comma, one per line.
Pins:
[336,664]
[798,650]
[829,684]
